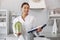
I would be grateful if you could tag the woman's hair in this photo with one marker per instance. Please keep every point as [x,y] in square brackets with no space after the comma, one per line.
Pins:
[25,3]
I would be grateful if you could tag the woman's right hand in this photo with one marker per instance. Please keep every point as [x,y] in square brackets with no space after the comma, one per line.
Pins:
[18,34]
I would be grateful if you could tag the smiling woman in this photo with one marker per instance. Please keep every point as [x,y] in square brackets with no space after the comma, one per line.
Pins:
[28,23]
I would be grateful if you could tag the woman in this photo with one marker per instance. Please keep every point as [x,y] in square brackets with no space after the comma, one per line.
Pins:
[28,22]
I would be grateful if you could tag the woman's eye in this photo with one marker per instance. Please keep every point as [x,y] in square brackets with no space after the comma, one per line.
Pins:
[28,7]
[24,7]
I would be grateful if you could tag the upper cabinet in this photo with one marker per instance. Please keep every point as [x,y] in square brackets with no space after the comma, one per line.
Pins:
[37,4]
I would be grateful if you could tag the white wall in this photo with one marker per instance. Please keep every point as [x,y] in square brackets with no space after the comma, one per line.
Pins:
[13,5]
[41,15]
[0,3]
[51,4]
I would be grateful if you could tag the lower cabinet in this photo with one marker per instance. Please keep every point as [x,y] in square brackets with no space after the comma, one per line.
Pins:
[11,38]
[2,39]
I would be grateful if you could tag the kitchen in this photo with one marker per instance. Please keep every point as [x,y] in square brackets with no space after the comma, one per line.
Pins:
[12,7]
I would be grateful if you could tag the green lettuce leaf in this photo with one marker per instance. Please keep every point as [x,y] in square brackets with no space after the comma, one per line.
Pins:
[18,26]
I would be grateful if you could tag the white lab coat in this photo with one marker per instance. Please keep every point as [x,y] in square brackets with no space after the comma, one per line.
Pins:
[27,25]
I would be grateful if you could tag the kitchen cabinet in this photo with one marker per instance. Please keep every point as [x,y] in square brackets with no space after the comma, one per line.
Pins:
[4,21]
[54,15]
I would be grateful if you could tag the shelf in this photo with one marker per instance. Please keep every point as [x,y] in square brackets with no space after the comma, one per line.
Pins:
[3,10]
[2,16]
[2,24]
[54,15]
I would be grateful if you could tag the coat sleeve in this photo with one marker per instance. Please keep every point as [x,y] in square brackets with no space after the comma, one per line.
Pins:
[13,26]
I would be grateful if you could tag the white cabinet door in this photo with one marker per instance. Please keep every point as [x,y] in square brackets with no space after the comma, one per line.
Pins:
[39,38]
[2,39]
[11,38]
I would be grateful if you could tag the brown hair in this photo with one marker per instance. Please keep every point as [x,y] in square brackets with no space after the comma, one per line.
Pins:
[25,3]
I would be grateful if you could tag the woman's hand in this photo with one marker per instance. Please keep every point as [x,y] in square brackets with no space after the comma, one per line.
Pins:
[18,34]
[39,29]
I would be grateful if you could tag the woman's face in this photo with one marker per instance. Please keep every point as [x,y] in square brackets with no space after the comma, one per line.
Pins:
[25,9]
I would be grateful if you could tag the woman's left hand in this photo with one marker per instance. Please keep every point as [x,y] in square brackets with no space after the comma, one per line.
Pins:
[39,29]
